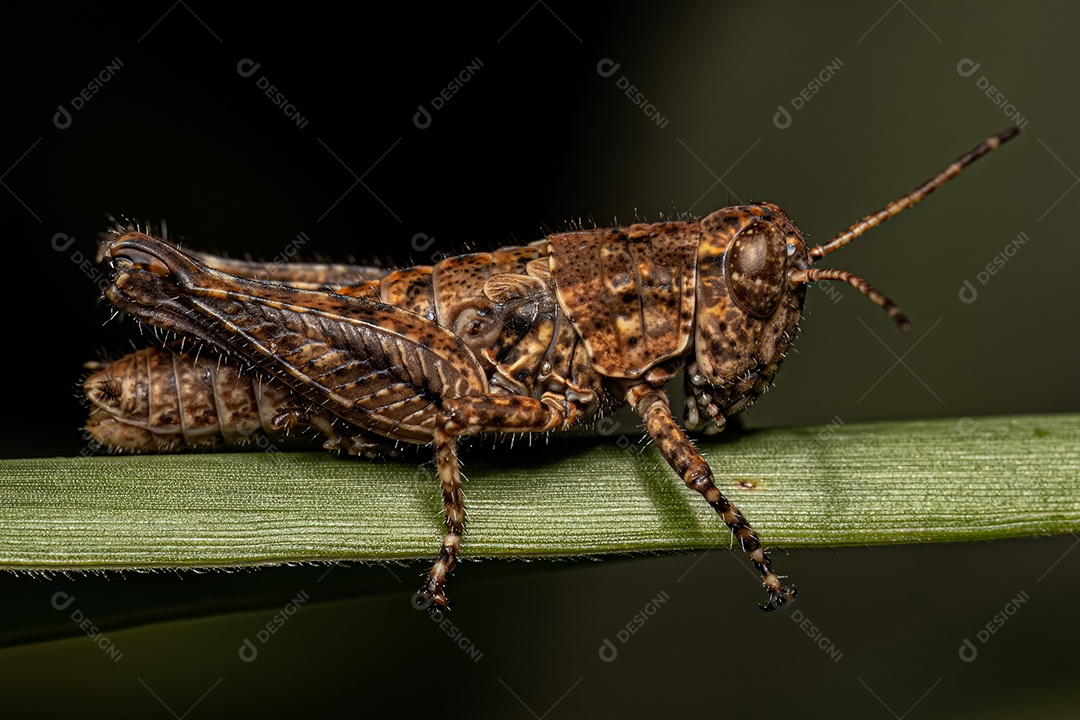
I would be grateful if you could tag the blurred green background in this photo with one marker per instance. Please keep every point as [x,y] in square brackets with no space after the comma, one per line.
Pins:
[537,135]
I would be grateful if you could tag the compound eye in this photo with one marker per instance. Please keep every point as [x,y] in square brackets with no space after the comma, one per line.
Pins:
[754,267]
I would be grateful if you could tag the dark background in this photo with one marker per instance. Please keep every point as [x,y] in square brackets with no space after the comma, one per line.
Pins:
[535,139]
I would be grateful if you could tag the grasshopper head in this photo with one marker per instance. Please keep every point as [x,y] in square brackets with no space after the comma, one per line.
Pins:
[753,268]
[747,308]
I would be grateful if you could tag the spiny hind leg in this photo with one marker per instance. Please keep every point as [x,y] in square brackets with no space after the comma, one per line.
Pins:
[311,276]
[469,416]
[651,403]
[446,459]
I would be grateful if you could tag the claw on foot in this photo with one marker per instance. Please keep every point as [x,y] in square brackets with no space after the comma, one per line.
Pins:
[435,603]
[779,595]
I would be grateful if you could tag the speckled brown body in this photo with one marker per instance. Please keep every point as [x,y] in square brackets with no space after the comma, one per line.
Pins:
[567,317]
[520,340]
[158,400]
[523,339]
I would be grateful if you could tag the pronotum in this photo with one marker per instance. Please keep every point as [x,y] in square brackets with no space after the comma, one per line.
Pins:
[525,339]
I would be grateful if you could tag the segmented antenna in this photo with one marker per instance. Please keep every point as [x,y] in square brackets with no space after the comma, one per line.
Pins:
[817,274]
[898,206]
[873,220]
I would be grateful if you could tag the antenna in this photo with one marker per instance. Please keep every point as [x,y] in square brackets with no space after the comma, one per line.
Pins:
[873,220]
[898,206]
[817,274]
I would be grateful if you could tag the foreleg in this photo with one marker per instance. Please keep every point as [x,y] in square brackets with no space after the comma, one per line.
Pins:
[651,403]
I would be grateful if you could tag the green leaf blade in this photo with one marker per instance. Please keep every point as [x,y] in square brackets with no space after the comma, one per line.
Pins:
[901,482]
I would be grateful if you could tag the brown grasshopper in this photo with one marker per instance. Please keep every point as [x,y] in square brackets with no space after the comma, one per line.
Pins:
[525,339]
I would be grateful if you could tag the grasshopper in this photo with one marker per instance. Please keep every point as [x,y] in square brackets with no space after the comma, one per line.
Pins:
[527,339]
